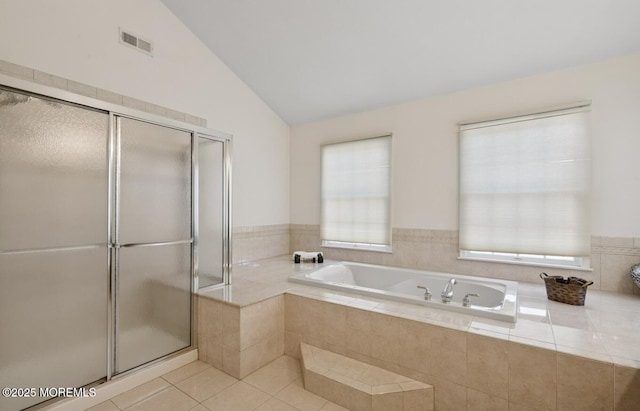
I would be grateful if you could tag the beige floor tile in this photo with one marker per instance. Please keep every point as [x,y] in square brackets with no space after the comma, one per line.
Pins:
[185,372]
[238,397]
[199,407]
[275,404]
[171,399]
[104,406]
[329,406]
[276,375]
[206,384]
[295,395]
[140,393]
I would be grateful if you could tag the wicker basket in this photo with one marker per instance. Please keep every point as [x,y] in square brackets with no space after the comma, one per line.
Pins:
[572,290]
[635,274]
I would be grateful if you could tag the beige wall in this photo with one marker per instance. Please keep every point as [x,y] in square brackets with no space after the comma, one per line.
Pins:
[425,157]
[78,40]
[276,181]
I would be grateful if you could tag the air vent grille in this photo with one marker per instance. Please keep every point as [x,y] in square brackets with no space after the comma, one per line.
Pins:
[144,45]
[129,39]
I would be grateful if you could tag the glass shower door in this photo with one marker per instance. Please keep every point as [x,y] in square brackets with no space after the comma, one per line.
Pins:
[211,212]
[153,242]
[98,233]
[53,251]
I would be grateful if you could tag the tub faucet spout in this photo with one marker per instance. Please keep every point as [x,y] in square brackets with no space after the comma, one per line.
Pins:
[447,293]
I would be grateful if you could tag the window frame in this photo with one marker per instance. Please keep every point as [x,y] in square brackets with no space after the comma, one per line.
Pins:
[566,262]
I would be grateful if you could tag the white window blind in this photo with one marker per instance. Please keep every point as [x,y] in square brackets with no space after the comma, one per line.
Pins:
[356,192]
[525,184]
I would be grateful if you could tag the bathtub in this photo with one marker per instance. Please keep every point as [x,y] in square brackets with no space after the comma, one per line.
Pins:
[496,298]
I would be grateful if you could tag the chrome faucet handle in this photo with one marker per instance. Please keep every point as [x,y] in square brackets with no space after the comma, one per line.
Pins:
[466,301]
[427,292]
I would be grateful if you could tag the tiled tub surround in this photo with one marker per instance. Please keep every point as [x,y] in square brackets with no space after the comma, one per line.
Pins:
[240,340]
[486,297]
[437,250]
[556,357]
[259,242]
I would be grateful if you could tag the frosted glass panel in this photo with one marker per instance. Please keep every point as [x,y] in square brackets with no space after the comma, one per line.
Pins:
[53,320]
[210,217]
[154,303]
[155,183]
[53,173]
[154,282]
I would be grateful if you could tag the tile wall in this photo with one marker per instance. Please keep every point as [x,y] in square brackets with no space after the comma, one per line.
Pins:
[239,340]
[611,257]
[468,370]
[259,242]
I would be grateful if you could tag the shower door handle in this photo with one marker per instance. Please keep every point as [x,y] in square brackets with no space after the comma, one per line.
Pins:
[131,245]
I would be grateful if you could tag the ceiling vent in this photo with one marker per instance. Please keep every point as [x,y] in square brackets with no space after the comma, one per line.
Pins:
[140,44]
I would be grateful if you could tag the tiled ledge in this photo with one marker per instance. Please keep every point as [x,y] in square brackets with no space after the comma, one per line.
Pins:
[467,370]
[36,76]
[551,342]
[604,335]
[604,329]
[240,340]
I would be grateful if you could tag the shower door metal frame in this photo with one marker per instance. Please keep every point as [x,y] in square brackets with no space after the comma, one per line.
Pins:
[226,209]
[114,111]
[115,243]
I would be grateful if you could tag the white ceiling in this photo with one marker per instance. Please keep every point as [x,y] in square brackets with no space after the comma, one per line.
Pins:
[315,59]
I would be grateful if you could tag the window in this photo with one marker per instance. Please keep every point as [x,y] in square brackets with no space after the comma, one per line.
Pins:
[355,194]
[525,188]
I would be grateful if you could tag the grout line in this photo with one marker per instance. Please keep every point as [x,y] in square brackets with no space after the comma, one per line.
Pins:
[150,395]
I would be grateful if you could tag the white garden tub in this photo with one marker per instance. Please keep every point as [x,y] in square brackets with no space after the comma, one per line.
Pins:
[496,298]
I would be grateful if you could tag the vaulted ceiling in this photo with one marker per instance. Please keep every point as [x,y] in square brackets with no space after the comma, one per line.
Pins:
[315,59]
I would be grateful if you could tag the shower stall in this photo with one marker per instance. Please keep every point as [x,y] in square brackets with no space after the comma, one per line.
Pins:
[110,219]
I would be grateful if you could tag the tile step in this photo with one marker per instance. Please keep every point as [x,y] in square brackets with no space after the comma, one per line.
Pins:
[359,386]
